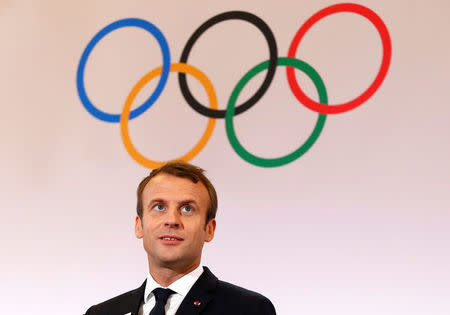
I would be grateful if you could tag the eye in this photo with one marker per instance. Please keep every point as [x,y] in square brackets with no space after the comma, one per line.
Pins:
[187,209]
[158,207]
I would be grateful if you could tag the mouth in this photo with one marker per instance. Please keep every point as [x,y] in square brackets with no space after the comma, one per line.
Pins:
[170,239]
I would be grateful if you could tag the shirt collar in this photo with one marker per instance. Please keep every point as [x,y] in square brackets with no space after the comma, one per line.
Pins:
[180,286]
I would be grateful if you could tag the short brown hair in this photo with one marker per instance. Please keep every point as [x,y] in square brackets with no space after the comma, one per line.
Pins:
[184,170]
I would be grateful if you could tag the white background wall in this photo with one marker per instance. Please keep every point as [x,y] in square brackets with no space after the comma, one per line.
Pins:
[358,225]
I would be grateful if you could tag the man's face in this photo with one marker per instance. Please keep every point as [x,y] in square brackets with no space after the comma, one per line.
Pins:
[173,221]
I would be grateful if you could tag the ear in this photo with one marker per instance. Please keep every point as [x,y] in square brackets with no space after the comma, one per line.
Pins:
[138,230]
[210,229]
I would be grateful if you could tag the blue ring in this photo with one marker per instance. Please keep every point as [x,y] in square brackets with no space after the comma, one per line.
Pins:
[115,118]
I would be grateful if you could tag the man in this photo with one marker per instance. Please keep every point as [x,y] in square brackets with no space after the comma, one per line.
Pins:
[176,211]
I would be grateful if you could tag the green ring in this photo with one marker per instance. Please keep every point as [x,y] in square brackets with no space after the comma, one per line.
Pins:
[264,162]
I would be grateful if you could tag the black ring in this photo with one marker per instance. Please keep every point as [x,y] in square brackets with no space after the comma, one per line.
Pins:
[273,57]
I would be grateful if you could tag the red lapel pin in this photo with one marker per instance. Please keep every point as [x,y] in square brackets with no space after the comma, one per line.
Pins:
[197,303]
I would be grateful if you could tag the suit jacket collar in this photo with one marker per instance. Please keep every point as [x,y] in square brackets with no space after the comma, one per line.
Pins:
[136,298]
[193,303]
[199,295]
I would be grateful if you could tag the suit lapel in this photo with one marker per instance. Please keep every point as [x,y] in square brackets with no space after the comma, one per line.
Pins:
[136,298]
[199,295]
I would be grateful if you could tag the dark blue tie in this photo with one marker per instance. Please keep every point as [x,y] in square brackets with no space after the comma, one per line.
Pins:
[161,296]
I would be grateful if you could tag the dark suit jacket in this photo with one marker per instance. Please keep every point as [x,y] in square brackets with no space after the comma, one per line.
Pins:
[216,298]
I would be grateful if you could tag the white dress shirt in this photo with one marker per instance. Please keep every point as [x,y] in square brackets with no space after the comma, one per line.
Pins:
[181,287]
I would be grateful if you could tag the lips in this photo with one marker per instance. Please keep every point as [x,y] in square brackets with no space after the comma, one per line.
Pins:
[171,239]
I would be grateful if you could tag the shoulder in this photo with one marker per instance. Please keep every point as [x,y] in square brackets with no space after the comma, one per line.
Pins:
[233,290]
[123,303]
[222,298]
[208,281]
[238,298]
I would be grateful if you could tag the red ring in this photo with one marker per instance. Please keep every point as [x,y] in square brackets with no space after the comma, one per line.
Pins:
[387,51]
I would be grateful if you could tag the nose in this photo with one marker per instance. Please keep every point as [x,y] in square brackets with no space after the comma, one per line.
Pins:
[172,219]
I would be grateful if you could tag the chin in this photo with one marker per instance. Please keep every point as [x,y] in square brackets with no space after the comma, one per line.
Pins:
[177,261]
[172,263]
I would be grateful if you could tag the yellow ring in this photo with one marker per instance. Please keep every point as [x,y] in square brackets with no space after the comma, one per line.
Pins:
[176,67]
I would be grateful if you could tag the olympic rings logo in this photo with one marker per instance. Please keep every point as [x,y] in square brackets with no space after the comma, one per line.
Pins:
[212,112]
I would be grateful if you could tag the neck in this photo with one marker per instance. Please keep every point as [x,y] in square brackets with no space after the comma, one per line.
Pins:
[166,275]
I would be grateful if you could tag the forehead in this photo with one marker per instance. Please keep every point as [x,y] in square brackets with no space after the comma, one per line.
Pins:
[173,188]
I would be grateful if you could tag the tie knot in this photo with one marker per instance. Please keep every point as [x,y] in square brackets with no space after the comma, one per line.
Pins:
[161,295]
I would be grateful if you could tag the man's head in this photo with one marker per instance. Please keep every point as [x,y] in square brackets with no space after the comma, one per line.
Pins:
[176,211]
[183,170]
